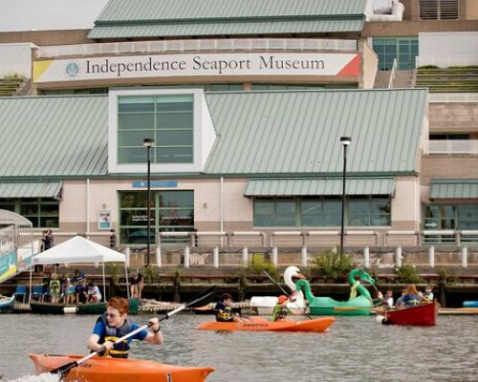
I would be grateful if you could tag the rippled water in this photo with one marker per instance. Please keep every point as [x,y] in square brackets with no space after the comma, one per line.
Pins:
[355,349]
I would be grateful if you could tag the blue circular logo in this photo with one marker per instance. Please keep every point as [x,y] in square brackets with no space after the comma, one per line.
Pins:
[72,69]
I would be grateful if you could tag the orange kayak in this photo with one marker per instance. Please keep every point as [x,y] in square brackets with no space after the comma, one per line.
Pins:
[317,325]
[99,369]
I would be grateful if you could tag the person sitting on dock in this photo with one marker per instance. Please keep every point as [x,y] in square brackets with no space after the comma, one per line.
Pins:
[281,311]
[55,288]
[225,312]
[116,323]
[94,294]
[411,298]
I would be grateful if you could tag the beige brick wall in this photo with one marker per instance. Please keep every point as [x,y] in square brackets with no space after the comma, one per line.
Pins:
[369,66]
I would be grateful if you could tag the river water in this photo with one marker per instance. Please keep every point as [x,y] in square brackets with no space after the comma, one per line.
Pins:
[354,349]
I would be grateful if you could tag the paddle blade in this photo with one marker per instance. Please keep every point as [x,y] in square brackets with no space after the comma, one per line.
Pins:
[63,371]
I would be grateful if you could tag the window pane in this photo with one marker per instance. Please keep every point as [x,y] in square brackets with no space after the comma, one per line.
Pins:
[172,199]
[136,235]
[49,209]
[132,155]
[136,217]
[174,138]
[175,120]
[134,138]
[174,155]
[49,222]
[176,217]
[135,199]
[135,121]
[264,212]
[29,209]
[285,213]
[135,104]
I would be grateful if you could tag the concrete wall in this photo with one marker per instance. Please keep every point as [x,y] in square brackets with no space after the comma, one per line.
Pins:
[453,117]
[57,37]
[449,167]
[369,66]
[413,28]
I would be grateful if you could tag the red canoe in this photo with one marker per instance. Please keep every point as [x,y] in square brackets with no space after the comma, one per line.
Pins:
[98,369]
[259,324]
[421,315]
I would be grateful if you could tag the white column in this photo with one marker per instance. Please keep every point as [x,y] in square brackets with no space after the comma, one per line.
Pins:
[366,257]
[464,257]
[431,256]
[127,253]
[398,257]
[245,255]
[274,256]
[186,256]
[159,262]
[215,257]
[303,256]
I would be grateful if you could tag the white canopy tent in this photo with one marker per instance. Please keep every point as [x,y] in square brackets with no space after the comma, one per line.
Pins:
[81,250]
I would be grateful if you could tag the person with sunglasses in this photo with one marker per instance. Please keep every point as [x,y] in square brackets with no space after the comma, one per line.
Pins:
[116,323]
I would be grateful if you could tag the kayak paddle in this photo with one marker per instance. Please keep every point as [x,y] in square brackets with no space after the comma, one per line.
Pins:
[65,369]
[287,294]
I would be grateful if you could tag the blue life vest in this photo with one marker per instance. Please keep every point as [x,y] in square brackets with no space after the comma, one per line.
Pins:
[120,350]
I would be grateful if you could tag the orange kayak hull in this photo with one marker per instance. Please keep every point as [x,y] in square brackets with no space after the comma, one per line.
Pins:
[317,325]
[98,369]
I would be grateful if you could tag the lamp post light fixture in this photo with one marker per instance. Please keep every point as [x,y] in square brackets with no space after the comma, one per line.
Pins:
[345,142]
[148,143]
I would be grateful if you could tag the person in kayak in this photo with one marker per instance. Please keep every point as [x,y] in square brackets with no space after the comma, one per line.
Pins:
[281,311]
[225,312]
[116,323]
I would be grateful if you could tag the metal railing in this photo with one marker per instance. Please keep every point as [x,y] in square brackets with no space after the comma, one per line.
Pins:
[212,45]
[393,73]
[449,147]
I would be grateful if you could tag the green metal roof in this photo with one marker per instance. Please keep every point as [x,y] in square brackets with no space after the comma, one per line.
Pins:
[298,132]
[230,28]
[30,189]
[454,189]
[147,18]
[289,187]
[53,136]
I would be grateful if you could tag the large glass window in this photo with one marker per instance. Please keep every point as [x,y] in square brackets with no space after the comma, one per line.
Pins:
[43,213]
[170,211]
[403,49]
[454,217]
[168,119]
[321,211]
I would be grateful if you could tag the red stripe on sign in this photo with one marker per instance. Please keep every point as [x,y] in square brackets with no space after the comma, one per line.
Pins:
[352,68]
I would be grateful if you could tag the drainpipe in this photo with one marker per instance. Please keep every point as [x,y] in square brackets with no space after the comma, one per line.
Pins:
[221,209]
[88,208]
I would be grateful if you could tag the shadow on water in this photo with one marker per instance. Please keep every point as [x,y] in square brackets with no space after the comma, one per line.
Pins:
[355,349]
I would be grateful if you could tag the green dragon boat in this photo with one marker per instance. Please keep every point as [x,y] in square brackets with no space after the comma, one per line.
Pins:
[359,304]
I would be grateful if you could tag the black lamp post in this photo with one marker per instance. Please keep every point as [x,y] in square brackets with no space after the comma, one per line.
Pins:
[345,142]
[148,143]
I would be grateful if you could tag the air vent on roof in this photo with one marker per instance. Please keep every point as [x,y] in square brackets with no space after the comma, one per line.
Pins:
[439,9]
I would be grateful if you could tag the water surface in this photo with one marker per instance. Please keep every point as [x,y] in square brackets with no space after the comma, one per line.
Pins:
[354,349]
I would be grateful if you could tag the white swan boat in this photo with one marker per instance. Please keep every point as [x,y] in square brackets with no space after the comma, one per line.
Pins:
[264,305]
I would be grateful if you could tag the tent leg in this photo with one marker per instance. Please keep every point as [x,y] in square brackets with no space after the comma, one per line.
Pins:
[104,282]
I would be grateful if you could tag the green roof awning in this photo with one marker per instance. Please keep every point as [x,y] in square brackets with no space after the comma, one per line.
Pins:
[30,189]
[454,189]
[327,186]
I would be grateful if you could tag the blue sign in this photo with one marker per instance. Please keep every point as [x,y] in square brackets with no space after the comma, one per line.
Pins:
[155,184]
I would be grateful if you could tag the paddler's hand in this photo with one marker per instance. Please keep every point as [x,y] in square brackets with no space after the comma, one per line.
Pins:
[154,324]
[109,345]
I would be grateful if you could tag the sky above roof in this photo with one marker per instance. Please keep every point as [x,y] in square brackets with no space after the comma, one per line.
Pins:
[26,15]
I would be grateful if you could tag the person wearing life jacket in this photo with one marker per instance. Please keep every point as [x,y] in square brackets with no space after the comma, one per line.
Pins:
[224,311]
[412,297]
[55,288]
[116,323]
[281,311]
